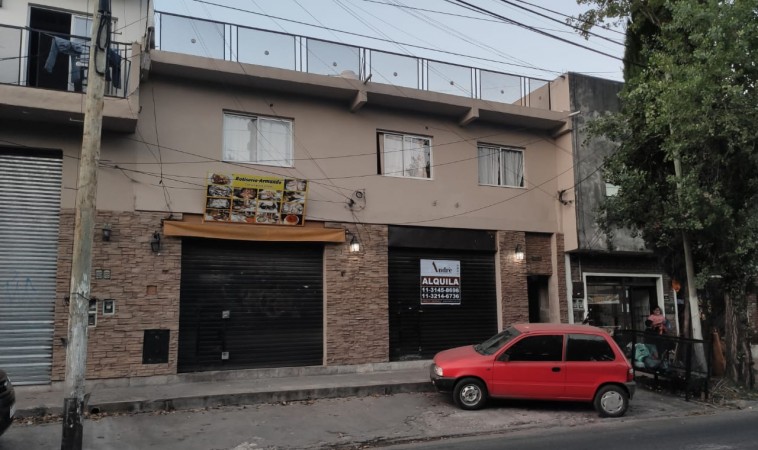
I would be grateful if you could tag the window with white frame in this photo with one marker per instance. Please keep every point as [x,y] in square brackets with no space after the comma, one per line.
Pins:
[257,140]
[501,166]
[402,155]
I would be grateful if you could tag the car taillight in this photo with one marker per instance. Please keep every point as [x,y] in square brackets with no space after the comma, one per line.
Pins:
[630,374]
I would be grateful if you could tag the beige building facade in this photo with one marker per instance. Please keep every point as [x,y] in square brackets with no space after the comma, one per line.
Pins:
[420,180]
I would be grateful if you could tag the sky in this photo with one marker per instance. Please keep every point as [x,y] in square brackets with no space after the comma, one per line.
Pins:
[440,30]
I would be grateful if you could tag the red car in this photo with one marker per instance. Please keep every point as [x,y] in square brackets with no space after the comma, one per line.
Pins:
[539,362]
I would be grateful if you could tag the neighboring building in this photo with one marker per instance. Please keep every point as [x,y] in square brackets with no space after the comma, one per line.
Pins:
[447,179]
[616,282]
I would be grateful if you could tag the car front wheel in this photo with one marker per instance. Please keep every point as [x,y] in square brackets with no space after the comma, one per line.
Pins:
[611,401]
[470,394]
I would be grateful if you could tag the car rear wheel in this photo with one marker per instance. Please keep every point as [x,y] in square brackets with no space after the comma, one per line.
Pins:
[611,401]
[470,394]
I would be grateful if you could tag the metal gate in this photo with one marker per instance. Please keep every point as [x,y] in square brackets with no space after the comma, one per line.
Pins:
[250,305]
[419,331]
[30,192]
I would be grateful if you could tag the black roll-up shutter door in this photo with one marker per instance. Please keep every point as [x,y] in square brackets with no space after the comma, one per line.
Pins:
[420,331]
[250,305]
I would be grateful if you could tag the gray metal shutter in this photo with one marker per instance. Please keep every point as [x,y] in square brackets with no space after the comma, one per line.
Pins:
[30,193]
[250,305]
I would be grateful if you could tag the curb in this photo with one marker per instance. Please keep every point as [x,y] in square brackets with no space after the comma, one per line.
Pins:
[240,399]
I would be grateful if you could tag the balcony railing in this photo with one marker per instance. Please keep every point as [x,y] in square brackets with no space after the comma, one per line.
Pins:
[25,60]
[218,40]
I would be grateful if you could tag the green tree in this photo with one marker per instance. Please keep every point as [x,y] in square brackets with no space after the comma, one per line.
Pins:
[690,96]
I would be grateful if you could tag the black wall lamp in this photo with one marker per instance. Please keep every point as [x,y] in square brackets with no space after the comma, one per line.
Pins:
[355,246]
[155,243]
[107,232]
[519,253]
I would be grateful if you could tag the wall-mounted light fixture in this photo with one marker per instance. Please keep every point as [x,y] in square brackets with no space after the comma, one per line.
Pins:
[355,246]
[518,254]
[155,243]
[107,232]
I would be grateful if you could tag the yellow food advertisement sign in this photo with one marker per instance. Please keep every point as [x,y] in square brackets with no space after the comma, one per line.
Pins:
[253,199]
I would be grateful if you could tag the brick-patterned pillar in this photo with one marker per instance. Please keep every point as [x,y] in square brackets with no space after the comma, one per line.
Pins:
[513,278]
[144,285]
[357,297]
[560,278]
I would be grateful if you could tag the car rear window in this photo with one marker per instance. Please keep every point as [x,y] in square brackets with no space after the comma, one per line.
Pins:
[587,347]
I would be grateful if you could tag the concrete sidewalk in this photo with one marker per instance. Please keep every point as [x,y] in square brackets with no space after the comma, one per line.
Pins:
[229,388]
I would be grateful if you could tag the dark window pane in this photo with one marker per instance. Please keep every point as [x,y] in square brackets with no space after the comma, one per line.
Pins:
[582,347]
[537,348]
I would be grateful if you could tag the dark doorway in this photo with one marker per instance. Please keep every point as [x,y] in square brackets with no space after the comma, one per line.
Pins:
[44,24]
[539,299]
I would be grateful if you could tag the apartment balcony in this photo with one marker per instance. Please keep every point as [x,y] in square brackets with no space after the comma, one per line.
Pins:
[43,78]
[234,54]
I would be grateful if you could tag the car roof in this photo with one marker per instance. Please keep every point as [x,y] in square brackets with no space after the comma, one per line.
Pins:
[558,327]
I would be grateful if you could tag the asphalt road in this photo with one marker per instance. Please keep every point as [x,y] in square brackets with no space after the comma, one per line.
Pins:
[727,431]
[428,420]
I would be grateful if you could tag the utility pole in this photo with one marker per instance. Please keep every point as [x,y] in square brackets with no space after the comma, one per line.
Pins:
[81,266]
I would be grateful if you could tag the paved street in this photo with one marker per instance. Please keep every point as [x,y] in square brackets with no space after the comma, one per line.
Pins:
[340,423]
[733,430]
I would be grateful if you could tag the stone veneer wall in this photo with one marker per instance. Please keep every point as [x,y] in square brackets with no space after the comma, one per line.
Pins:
[562,288]
[357,297]
[513,278]
[145,286]
[538,255]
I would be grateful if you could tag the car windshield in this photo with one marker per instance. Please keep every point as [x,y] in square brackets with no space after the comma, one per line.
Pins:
[497,341]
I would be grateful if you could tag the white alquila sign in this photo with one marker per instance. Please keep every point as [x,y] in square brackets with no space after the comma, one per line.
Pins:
[440,282]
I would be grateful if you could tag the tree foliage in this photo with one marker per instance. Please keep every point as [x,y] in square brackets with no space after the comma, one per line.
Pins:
[690,93]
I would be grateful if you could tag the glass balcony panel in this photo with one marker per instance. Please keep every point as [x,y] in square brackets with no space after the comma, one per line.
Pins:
[326,58]
[265,48]
[393,69]
[449,79]
[539,94]
[10,55]
[500,87]
[192,37]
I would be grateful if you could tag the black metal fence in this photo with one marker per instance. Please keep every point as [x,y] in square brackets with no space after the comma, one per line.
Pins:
[684,363]
[47,60]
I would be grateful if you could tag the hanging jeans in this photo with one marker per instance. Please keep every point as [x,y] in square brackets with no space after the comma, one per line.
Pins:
[113,74]
[74,50]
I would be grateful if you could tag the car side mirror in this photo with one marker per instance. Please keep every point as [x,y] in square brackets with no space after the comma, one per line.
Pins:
[504,357]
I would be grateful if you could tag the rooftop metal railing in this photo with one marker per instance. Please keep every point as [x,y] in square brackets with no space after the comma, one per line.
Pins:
[219,40]
[25,60]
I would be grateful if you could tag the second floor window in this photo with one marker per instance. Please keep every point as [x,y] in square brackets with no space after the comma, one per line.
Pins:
[402,155]
[257,140]
[500,166]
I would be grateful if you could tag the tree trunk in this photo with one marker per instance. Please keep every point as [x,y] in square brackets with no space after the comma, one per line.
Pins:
[739,360]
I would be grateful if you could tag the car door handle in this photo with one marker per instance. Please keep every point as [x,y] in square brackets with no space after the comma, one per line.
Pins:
[556,369]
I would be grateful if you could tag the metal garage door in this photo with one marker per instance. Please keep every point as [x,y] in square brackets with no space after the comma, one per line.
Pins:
[250,305]
[30,193]
[419,331]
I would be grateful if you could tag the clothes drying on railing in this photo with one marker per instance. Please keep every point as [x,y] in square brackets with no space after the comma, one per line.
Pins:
[76,50]
[73,49]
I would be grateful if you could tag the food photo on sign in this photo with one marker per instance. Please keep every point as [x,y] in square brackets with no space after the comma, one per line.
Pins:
[253,199]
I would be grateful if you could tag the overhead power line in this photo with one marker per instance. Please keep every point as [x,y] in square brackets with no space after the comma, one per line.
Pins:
[560,22]
[469,6]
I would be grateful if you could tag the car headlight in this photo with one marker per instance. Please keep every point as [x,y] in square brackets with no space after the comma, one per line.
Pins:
[437,370]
